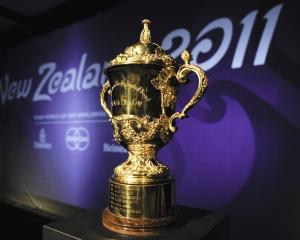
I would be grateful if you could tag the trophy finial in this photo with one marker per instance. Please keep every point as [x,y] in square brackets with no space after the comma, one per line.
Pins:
[145,36]
[186,57]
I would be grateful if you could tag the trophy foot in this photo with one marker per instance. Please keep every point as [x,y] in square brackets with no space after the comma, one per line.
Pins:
[139,227]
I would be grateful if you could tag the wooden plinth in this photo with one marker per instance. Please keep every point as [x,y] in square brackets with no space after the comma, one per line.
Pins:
[139,227]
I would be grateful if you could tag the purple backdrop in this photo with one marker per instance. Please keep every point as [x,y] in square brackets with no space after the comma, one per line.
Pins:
[238,151]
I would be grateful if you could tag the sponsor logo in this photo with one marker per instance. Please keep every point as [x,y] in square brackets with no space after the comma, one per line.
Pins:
[42,142]
[113,148]
[77,138]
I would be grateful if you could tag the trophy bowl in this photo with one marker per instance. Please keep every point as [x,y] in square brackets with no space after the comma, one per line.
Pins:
[142,84]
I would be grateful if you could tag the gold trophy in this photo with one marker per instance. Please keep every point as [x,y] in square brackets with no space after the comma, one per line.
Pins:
[143,83]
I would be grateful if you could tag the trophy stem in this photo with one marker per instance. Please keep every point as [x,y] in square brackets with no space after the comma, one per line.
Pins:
[141,163]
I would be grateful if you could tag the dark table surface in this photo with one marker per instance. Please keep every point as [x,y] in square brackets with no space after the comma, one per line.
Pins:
[195,224]
[18,223]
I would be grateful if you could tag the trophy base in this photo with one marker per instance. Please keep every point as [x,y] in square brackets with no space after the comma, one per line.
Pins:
[139,227]
[140,206]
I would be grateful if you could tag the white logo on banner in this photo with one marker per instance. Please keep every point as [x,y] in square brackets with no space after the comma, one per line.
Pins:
[77,138]
[203,45]
[42,142]
[113,148]
[53,79]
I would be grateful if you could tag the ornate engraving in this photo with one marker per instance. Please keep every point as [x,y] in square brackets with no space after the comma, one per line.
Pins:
[141,162]
[136,129]
[139,132]
[167,91]
[141,54]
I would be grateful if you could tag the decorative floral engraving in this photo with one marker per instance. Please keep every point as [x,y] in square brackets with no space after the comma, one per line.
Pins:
[141,162]
[142,55]
[134,129]
[163,83]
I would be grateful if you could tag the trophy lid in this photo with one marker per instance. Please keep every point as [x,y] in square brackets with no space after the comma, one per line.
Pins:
[144,52]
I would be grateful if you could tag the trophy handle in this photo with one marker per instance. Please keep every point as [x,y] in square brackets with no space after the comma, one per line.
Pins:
[183,71]
[103,93]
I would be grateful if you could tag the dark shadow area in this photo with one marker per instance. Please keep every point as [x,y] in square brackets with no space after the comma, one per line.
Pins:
[18,223]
